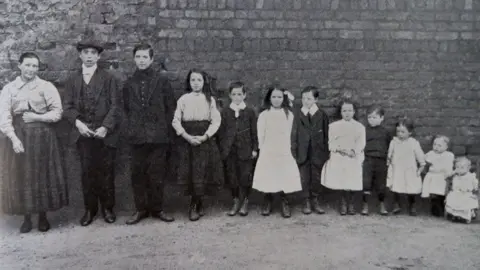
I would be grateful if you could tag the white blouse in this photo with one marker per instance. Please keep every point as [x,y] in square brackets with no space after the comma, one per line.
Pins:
[194,107]
[346,135]
[38,96]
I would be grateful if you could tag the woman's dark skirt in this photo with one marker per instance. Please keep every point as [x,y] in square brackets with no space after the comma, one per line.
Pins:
[35,180]
[199,168]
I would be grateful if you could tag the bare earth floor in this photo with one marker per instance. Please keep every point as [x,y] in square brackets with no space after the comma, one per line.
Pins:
[255,242]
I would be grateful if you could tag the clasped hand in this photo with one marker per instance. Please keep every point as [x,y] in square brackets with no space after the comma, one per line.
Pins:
[195,140]
[100,132]
[29,117]
[345,152]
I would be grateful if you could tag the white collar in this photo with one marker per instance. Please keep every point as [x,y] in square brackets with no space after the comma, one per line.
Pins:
[88,70]
[312,110]
[238,107]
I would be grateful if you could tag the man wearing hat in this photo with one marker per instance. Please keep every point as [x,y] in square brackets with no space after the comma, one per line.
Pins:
[92,105]
[149,104]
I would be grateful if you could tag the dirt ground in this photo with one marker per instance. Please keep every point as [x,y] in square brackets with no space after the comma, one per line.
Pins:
[255,242]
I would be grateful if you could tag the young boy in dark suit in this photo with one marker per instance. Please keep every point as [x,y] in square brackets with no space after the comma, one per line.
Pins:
[92,105]
[310,147]
[239,147]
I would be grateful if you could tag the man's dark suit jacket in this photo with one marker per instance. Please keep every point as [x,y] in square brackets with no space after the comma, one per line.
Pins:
[149,104]
[242,131]
[314,132]
[102,109]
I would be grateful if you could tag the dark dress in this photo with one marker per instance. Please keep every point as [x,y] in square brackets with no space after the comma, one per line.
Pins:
[33,181]
[199,168]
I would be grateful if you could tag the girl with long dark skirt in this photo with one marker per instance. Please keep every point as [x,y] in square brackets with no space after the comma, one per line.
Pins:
[196,121]
[32,179]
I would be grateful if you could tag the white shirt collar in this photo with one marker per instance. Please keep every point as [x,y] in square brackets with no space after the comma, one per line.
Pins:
[88,70]
[312,110]
[237,108]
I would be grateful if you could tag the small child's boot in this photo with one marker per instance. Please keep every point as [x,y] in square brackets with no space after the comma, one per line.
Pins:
[343,205]
[383,210]
[286,213]
[244,209]
[364,209]
[351,204]
[307,207]
[235,207]
[267,205]
[413,209]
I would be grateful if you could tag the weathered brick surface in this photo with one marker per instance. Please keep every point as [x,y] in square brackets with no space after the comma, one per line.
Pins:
[415,57]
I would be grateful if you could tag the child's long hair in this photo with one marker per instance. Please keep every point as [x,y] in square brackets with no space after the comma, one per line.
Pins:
[267,103]
[206,90]
[338,111]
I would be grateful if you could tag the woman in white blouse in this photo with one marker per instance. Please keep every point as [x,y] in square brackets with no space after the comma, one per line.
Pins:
[196,121]
[32,177]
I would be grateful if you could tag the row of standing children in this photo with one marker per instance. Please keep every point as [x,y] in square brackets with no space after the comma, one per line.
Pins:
[299,150]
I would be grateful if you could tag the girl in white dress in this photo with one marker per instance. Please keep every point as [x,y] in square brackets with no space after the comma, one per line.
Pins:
[343,171]
[276,169]
[440,167]
[462,198]
[406,161]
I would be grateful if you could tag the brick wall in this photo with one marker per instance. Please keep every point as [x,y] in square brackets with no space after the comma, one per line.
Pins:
[416,57]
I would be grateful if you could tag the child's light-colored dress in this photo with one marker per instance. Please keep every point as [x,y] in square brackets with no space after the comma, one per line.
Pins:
[276,169]
[441,166]
[462,200]
[342,172]
[404,156]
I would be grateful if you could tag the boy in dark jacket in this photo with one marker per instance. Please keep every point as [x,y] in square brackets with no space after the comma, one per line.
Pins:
[239,147]
[310,147]
[149,104]
[375,164]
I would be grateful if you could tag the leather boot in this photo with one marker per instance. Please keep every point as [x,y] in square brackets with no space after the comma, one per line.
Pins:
[343,205]
[412,209]
[137,217]
[87,218]
[364,209]
[383,210]
[235,207]
[162,216]
[244,209]
[267,206]
[316,207]
[396,208]
[193,212]
[108,215]
[307,207]
[200,208]
[286,213]
[43,224]
[351,204]
[26,225]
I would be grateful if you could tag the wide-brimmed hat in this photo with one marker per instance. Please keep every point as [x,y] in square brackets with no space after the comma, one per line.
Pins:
[89,43]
